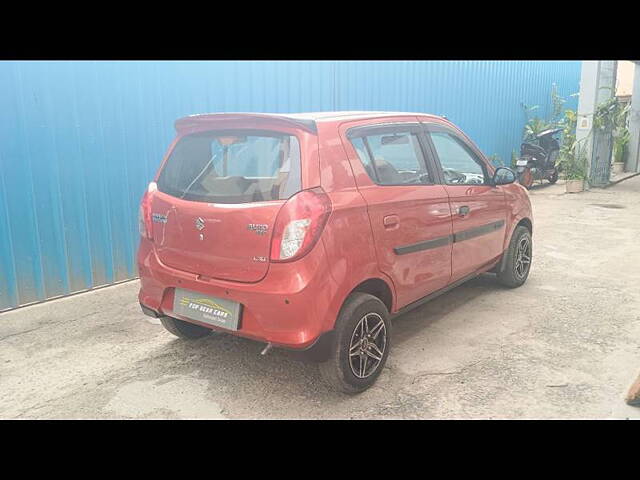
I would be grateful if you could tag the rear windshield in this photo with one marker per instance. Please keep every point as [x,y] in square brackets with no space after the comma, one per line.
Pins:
[233,167]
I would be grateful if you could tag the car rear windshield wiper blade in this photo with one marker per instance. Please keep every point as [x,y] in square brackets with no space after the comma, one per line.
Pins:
[204,169]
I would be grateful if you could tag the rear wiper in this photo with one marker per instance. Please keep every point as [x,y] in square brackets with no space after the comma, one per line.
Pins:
[204,169]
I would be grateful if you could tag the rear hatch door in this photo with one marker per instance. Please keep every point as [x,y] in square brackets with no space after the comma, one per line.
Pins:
[218,196]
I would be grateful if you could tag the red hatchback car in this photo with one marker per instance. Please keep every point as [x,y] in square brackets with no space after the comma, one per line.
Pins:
[311,231]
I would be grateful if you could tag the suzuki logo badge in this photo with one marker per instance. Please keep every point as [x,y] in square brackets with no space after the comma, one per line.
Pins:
[199,223]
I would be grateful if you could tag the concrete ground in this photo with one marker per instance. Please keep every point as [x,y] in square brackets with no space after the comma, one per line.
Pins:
[565,345]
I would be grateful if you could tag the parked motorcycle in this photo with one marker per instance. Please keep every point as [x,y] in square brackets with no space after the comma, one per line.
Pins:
[538,159]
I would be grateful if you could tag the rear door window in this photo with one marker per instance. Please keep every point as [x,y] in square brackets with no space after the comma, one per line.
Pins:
[393,158]
[233,167]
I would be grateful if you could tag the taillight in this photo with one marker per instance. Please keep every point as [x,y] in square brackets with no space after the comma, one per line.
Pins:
[144,215]
[299,225]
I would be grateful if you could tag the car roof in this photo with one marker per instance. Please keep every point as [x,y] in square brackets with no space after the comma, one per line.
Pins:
[342,115]
[308,120]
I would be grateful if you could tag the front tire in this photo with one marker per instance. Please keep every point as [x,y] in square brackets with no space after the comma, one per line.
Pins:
[554,177]
[361,344]
[184,329]
[518,262]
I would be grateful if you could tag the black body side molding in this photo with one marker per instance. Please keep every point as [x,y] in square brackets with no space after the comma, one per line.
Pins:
[455,238]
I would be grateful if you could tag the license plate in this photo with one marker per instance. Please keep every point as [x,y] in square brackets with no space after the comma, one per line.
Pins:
[522,163]
[218,312]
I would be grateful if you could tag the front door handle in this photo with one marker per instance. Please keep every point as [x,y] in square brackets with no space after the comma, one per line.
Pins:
[463,211]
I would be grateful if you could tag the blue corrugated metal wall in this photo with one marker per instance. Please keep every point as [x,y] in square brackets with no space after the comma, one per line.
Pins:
[79,141]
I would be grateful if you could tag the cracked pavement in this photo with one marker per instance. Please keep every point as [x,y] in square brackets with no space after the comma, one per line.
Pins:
[565,345]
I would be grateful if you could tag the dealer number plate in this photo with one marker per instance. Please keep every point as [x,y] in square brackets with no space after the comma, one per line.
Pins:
[219,312]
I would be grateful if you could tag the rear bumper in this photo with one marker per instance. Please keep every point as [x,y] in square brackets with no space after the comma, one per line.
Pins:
[318,351]
[291,307]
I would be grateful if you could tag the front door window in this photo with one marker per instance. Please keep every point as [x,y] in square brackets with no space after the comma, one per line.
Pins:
[459,165]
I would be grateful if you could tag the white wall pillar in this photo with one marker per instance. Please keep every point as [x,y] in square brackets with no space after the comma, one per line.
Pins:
[597,84]
[587,102]
[633,152]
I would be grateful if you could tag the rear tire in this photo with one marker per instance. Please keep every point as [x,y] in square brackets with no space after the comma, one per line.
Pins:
[361,344]
[554,177]
[184,329]
[519,256]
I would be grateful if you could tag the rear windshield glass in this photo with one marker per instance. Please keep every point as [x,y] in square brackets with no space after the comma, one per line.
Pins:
[233,167]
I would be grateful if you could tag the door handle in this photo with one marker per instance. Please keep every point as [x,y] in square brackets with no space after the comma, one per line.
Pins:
[391,221]
[463,211]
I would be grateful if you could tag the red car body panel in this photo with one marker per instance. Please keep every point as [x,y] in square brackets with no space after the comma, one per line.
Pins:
[292,304]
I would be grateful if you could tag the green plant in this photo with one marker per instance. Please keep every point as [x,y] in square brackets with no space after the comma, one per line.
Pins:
[605,114]
[573,155]
[620,117]
[534,124]
[620,132]
[557,105]
[569,123]
[619,146]
[611,116]
[527,109]
[574,164]
[514,158]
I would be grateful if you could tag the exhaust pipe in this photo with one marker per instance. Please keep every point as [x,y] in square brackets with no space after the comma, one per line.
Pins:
[266,349]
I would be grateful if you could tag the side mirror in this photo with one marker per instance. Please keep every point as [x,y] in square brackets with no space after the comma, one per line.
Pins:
[503,176]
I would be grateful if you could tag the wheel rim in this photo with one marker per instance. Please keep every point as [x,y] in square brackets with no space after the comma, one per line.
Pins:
[368,344]
[523,257]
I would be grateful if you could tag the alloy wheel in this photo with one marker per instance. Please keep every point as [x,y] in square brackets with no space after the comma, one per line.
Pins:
[368,344]
[523,257]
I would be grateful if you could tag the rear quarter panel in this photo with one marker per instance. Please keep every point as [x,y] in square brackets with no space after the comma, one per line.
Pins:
[347,237]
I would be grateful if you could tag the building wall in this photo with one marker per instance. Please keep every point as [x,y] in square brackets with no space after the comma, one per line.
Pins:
[79,141]
[624,78]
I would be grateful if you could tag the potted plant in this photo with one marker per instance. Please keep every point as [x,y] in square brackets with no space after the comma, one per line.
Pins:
[619,148]
[574,165]
[572,159]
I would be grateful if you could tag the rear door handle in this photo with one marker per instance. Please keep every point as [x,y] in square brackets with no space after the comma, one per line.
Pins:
[391,221]
[463,211]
